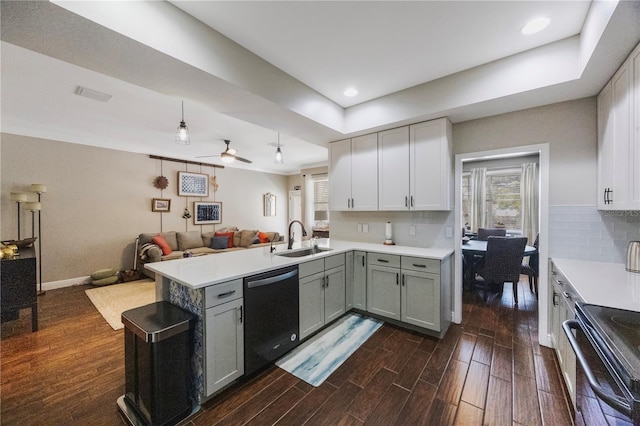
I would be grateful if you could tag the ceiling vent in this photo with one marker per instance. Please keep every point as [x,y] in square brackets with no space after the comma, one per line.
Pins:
[93,94]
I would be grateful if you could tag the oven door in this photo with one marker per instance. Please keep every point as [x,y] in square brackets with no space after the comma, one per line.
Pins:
[601,398]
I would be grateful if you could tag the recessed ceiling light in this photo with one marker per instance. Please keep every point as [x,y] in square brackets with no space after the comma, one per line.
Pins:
[535,25]
[350,92]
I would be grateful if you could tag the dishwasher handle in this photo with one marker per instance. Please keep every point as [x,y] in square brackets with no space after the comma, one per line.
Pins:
[271,280]
[613,400]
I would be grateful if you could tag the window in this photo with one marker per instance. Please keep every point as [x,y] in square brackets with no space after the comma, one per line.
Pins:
[502,196]
[321,199]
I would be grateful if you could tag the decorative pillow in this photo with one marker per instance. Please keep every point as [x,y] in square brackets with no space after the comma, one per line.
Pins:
[162,243]
[236,238]
[206,239]
[189,240]
[229,236]
[219,243]
[247,237]
[264,238]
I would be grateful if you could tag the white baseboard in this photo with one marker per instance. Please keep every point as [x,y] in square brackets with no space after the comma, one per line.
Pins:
[66,283]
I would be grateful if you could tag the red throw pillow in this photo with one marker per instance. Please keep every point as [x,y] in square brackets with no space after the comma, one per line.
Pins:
[226,234]
[264,238]
[162,243]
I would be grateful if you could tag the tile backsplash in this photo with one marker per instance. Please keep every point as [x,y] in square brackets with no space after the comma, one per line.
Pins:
[585,233]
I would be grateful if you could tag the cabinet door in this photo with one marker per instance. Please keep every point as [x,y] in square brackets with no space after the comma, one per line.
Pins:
[393,169]
[224,356]
[360,280]
[621,87]
[334,294]
[348,276]
[383,291]
[311,304]
[605,147]
[430,165]
[420,298]
[364,173]
[340,175]
[634,175]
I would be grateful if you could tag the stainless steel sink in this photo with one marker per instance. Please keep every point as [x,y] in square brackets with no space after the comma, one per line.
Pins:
[302,252]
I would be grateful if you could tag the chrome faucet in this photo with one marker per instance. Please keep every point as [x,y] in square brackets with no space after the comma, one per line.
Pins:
[304,233]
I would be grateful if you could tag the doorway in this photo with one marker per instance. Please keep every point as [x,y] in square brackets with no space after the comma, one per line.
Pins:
[295,205]
[542,150]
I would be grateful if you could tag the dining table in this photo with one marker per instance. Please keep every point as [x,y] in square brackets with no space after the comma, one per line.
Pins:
[473,252]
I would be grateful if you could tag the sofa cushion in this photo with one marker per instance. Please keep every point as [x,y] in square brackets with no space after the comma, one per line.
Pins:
[226,234]
[236,238]
[206,239]
[189,240]
[161,242]
[227,229]
[219,243]
[202,250]
[176,254]
[266,237]
[247,237]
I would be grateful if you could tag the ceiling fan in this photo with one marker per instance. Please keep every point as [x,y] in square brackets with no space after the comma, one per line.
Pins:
[228,155]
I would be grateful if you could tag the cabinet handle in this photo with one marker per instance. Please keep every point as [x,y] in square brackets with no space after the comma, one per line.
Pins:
[353,204]
[326,280]
[417,265]
[348,203]
[227,294]
[363,261]
[403,276]
[406,201]
[397,279]
[412,201]
[555,299]
[566,295]
[240,314]
[383,261]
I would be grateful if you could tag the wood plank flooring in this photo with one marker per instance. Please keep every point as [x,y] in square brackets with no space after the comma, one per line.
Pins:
[488,370]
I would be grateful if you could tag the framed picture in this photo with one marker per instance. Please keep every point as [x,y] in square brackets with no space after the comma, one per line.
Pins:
[207,213]
[269,204]
[193,184]
[161,205]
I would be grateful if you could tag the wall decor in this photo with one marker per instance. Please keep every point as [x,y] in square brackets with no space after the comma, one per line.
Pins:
[161,182]
[193,184]
[207,213]
[269,204]
[161,205]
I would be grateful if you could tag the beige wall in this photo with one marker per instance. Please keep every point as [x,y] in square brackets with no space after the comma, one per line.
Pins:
[99,200]
[568,127]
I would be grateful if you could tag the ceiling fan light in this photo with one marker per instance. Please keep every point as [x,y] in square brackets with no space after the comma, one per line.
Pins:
[278,158]
[182,135]
[226,157]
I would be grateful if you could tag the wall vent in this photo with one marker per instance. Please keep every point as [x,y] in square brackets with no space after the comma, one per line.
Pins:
[93,94]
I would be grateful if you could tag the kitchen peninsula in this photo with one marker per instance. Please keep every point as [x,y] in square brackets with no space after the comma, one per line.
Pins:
[408,286]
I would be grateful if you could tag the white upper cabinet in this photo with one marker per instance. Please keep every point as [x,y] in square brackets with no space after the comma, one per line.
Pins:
[619,138]
[414,167]
[353,174]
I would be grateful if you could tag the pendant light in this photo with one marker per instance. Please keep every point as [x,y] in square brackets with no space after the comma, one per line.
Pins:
[182,135]
[278,158]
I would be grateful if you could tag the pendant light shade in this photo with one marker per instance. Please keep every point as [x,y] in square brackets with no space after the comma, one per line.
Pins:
[278,159]
[182,135]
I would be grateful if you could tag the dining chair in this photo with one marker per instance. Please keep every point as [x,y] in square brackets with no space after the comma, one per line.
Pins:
[503,263]
[484,233]
[530,269]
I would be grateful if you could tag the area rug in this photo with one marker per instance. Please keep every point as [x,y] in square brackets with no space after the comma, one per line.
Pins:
[112,300]
[316,359]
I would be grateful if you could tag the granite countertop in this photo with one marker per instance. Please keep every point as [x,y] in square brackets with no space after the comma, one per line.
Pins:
[605,284]
[202,271]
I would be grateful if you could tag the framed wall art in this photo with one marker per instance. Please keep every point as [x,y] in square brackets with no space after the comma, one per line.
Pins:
[269,204]
[161,205]
[193,184]
[207,213]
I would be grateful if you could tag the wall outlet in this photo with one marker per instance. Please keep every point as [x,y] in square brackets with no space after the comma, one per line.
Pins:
[448,231]
[412,230]
[365,227]
[359,227]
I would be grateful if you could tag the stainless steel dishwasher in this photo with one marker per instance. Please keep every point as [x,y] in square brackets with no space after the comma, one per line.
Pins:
[271,316]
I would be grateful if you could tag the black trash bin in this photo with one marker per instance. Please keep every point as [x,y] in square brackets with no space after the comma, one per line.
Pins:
[158,342]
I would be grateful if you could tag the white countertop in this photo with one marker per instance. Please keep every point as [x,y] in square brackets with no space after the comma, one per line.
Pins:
[606,284]
[202,271]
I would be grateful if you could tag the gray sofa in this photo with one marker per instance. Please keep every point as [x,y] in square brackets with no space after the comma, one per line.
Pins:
[198,244]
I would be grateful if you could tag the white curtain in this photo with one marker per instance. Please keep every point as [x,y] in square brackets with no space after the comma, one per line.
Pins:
[477,206]
[529,194]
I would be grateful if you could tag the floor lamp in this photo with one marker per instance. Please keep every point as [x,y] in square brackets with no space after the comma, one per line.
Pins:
[19,198]
[39,189]
[34,207]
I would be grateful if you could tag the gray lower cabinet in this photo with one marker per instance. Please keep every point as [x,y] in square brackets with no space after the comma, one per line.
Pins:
[322,294]
[348,274]
[224,335]
[409,289]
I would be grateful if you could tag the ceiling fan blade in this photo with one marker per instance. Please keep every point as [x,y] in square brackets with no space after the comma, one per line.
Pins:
[244,160]
[207,156]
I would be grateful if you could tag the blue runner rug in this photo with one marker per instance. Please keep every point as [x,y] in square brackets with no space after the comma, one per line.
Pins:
[316,359]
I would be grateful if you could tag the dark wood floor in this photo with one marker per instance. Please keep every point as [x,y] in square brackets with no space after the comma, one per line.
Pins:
[487,370]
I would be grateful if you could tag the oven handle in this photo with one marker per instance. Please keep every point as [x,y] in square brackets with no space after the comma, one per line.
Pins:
[613,400]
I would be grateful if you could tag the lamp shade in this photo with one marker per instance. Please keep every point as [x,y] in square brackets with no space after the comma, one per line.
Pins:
[18,197]
[33,206]
[40,188]
[320,215]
